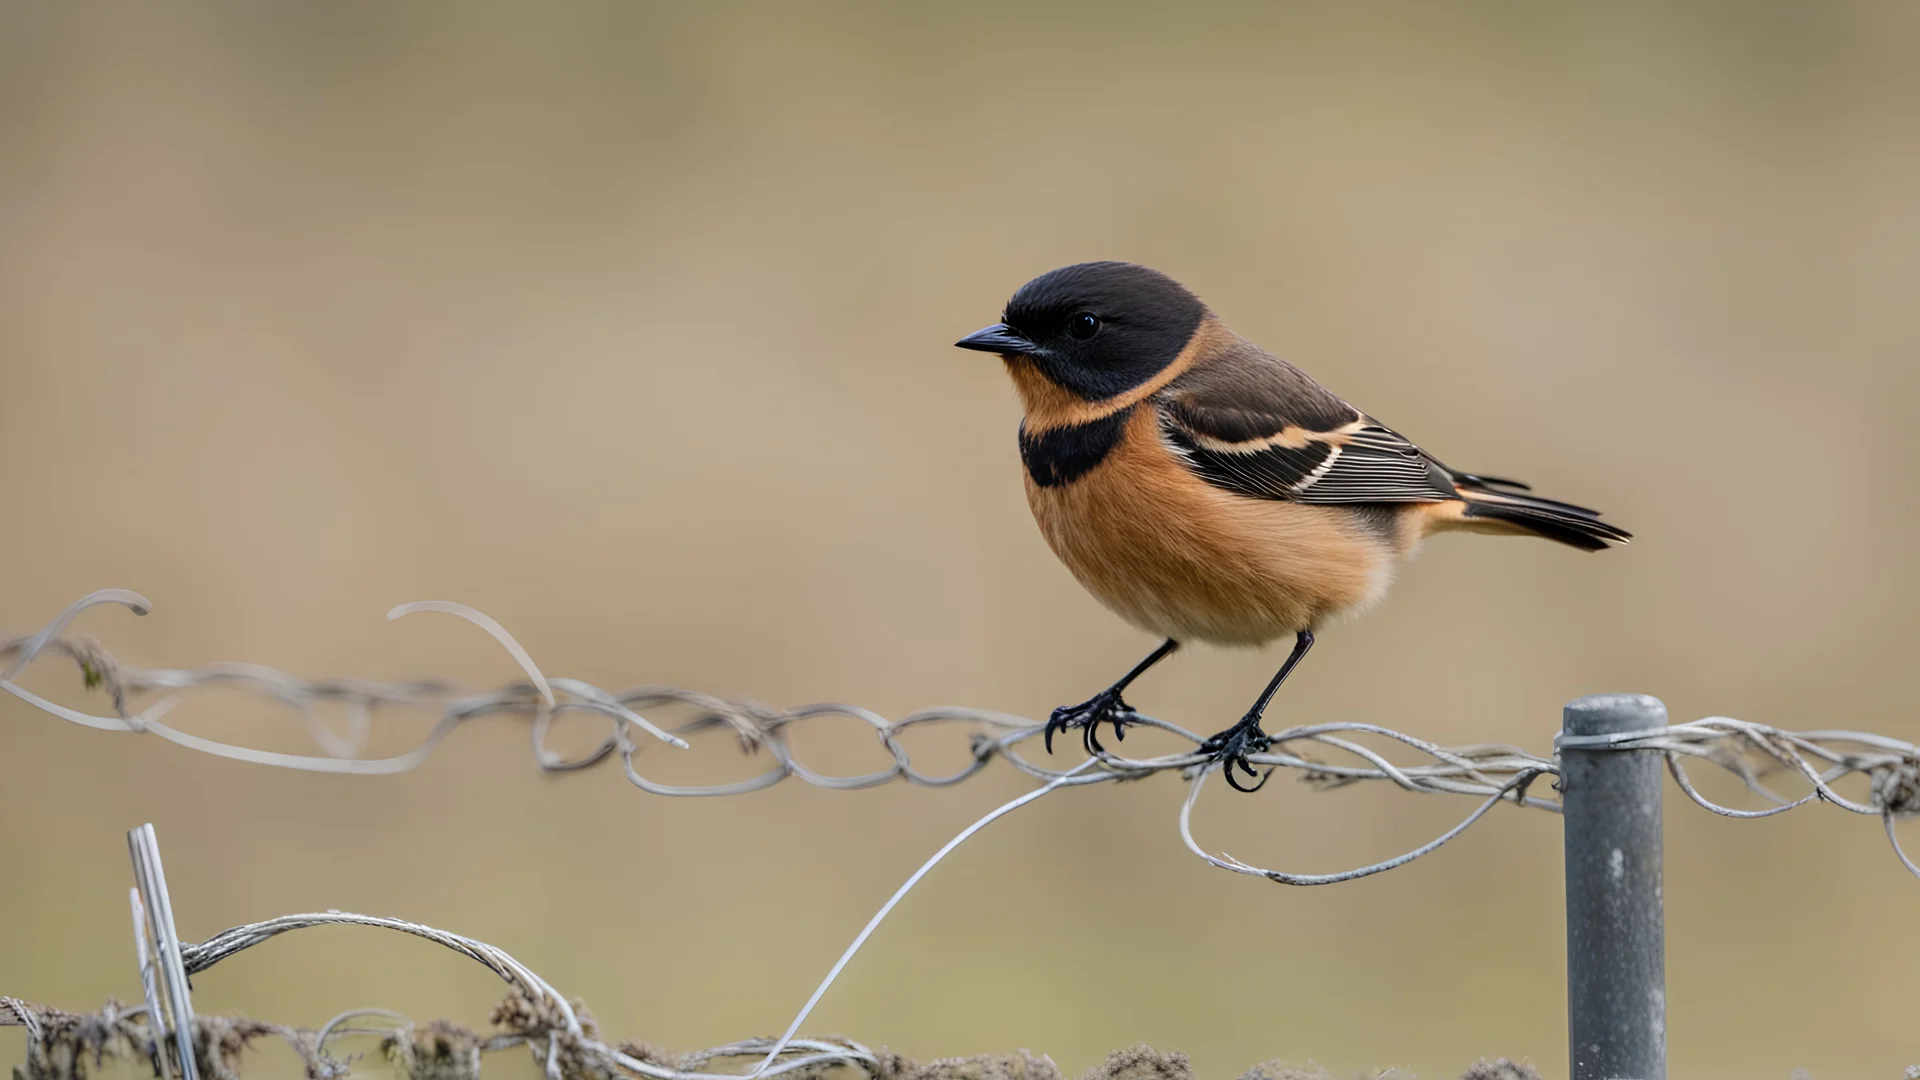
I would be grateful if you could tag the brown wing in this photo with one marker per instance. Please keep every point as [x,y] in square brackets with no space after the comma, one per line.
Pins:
[1256,425]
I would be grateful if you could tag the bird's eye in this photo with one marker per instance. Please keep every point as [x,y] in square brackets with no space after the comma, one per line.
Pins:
[1084,325]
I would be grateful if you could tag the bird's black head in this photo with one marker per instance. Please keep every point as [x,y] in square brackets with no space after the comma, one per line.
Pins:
[1097,329]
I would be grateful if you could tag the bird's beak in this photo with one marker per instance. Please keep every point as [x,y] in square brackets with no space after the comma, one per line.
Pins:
[998,338]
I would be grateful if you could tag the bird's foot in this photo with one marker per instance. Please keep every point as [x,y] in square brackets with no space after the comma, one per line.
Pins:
[1231,747]
[1105,707]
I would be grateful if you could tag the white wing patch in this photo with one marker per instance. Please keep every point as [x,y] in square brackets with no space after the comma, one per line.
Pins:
[1319,471]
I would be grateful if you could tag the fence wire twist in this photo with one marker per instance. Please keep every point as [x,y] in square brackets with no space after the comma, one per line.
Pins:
[1324,755]
[58,1041]
[561,1035]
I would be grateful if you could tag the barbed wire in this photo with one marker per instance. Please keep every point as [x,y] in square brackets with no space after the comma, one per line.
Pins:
[58,1041]
[1324,756]
[560,1033]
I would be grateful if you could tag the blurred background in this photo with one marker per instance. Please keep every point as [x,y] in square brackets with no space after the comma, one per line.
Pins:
[630,325]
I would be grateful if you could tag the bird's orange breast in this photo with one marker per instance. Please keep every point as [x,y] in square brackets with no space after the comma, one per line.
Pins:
[1177,556]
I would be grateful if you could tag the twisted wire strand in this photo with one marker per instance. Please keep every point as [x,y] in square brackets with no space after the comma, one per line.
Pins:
[562,1026]
[550,1026]
[541,1018]
[1492,773]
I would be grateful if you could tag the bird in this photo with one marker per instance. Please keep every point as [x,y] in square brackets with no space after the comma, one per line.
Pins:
[1206,490]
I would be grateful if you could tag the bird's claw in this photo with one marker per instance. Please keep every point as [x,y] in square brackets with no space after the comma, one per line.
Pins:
[1231,747]
[1105,707]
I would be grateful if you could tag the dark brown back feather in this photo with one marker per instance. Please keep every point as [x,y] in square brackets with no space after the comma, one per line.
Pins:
[1244,395]
[1251,423]
[1243,392]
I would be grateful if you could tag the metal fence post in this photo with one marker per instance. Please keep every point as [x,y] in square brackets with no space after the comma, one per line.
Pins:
[1616,936]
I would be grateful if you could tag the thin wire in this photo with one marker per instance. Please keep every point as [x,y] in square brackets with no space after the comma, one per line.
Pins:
[899,894]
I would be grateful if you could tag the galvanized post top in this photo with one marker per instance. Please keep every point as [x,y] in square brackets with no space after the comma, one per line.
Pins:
[1610,714]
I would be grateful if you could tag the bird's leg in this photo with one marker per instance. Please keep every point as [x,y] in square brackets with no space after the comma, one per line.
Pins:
[1246,737]
[1107,706]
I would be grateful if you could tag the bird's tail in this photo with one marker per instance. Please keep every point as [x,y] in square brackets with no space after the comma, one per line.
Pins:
[1490,504]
